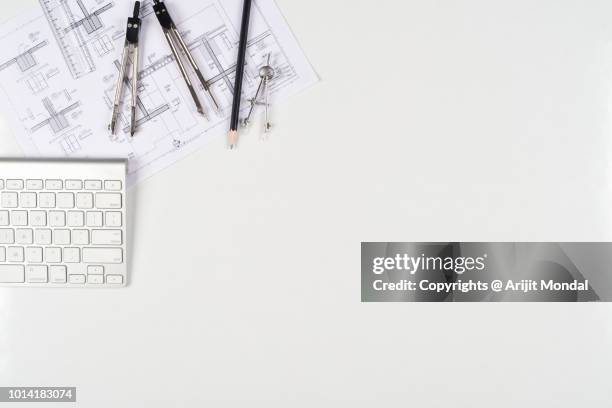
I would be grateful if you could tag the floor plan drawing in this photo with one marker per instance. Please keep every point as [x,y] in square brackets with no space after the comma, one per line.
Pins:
[73,90]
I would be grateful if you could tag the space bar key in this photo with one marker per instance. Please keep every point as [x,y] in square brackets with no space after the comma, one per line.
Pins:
[103,255]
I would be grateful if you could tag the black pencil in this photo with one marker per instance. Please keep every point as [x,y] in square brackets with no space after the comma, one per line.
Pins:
[244,34]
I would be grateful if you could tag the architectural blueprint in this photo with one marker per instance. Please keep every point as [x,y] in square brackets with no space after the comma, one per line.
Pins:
[59,65]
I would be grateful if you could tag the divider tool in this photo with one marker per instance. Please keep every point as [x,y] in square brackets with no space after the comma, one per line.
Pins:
[173,36]
[131,46]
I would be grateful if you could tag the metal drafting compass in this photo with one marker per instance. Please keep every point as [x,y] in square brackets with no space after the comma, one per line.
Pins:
[131,47]
[176,42]
[266,74]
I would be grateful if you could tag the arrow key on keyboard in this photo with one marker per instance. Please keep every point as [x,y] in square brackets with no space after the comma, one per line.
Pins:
[97,279]
[76,278]
[114,279]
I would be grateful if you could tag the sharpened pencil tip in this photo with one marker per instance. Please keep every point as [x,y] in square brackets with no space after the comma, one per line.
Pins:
[232,139]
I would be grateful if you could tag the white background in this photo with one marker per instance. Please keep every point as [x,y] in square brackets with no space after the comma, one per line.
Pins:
[435,120]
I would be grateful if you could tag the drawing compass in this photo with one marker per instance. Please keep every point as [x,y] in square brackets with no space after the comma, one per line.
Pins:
[176,42]
[131,47]
[266,74]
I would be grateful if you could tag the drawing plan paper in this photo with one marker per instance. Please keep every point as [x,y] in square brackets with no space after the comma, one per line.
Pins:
[59,65]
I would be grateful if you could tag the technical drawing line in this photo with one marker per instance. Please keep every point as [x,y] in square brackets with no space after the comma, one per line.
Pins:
[91,21]
[81,43]
[25,60]
[147,116]
[203,40]
[72,44]
[57,120]
[37,83]
[156,66]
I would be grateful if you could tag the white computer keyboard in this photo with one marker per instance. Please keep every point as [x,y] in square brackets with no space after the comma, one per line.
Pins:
[62,223]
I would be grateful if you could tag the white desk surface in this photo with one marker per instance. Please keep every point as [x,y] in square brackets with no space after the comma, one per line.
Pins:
[447,120]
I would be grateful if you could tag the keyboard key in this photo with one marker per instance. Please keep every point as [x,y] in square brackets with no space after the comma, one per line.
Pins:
[53,255]
[80,237]
[4,218]
[93,184]
[95,279]
[108,200]
[94,218]
[76,278]
[74,185]
[84,201]
[57,274]
[113,219]
[19,218]
[54,184]
[103,255]
[27,200]
[65,200]
[95,270]
[9,200]
[112,185]
[72,255]
[114,279]
[34,184]
[61,237]
[57,219]
[12,274]
[24,236]
[14,184]
[42,237]
[34,255]
[106,237]
[75,218]
[36,274]
[46,200]
[38,218]
[7,236]
[14,254]
[2,254]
